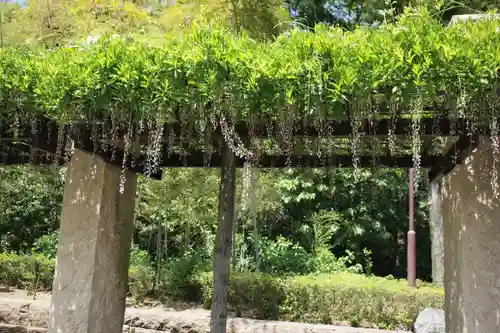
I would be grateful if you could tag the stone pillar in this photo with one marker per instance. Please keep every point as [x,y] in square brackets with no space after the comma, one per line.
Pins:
[90,282]
[436,231]
[471,216]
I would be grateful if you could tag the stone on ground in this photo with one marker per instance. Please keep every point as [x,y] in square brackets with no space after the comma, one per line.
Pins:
[430,321]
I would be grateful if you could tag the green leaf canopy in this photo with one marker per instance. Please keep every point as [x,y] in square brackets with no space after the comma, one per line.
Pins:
[300,74]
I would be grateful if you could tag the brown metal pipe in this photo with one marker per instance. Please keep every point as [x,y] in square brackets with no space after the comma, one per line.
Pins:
[411,243]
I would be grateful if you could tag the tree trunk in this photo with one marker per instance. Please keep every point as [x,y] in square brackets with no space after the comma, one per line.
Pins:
[436,230]
[254,220]
[222,257]
[158,256]
[235,228]
[165,243]
[1,25]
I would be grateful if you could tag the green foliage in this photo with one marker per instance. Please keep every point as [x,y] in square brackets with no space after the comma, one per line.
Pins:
[300,75]
[260,20]
[314,211]
[6,11]
[324,262]
[447,8]
[53,23]
[355,215]
[334,298]
[139,257]
[184,204]
[283,257]
[47,244]
[254,295]
[178,278]
[358,300]
[30,204]
[140,275]
[23,271]
[350,13]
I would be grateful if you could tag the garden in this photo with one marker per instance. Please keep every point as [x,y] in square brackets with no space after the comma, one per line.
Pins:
[338,267]
[318,245]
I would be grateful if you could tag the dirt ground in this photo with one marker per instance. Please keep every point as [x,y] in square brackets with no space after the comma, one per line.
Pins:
[19,309]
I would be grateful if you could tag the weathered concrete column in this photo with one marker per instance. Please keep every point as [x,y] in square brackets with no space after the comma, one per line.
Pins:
[436,231]
[91,276]
[471,216]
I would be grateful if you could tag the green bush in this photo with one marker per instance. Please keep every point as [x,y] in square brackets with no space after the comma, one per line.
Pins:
[47,244]
[327,299]
[325,262]
[254,295]
[358,299]
[23,271]
[281,256]
[178,278]
[140,275]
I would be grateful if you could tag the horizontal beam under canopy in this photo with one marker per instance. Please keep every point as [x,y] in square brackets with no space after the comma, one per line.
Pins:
[429,126]
[47,138]
[42,154]
[308,161]
[200,160]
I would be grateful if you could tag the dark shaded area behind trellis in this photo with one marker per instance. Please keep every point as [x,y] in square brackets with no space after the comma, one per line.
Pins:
[45,142]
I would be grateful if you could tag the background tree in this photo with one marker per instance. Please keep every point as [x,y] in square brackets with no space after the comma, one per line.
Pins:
[349,13]
[30,203]
[50,23]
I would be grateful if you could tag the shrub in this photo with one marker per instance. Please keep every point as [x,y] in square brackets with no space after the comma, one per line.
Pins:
[254,295]
[178,278]
[358,299]
[140,275]
[284,257]
[19,271]
[327,299]
[47,244]
[326,262]
[23,271]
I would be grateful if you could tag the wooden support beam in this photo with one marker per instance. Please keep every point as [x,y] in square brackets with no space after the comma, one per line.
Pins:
[340,128]
[223,242]
[46,146]
[198,160]
[49,138]
[381,127]
[454,156]
[11,154]
[433,126]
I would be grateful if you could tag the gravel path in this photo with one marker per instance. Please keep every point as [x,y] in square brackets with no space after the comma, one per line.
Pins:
[19,309]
